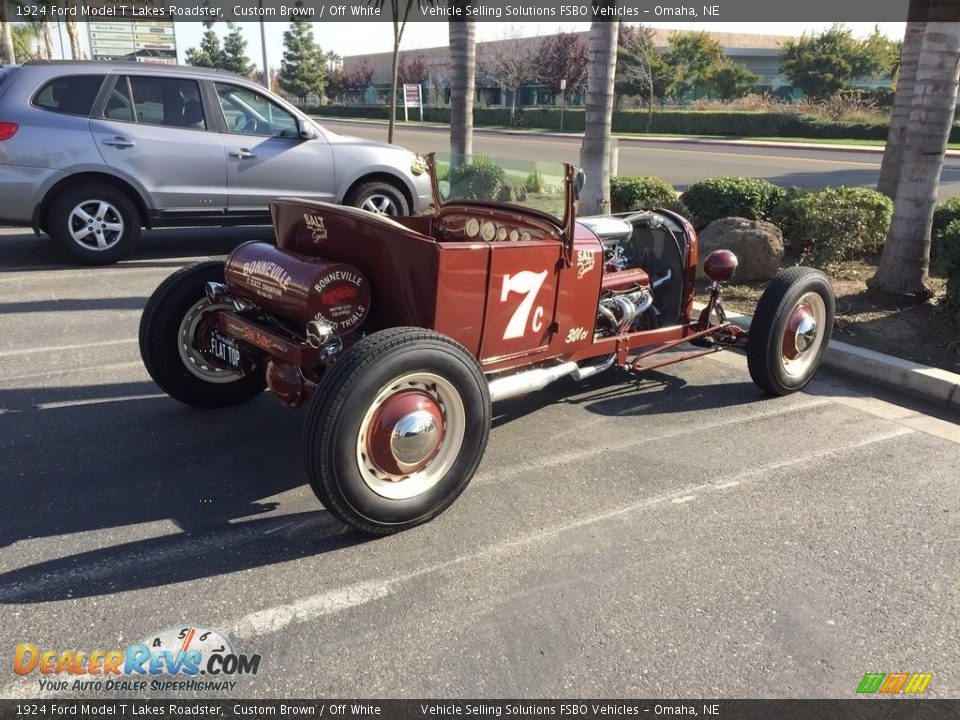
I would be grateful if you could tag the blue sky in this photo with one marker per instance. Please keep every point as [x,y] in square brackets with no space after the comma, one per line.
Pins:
[370,37]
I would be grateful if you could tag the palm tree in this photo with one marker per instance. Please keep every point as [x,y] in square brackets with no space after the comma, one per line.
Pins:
[463,62]
[595,152]
[9,57]
[73,33]
[906,256]
[899,118]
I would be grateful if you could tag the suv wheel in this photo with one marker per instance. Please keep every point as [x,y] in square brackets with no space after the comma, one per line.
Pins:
[97,224]
[378,197]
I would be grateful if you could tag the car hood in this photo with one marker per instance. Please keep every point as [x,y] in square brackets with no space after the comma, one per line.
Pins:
[338,139]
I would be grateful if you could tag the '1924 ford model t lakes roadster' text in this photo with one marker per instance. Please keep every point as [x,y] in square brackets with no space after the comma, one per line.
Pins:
[399,333]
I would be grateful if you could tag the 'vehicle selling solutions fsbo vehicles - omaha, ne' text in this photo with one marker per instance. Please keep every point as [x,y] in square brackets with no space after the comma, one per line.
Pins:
[399,333]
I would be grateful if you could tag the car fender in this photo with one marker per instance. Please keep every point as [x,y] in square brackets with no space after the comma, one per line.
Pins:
[63,176]
[350,180]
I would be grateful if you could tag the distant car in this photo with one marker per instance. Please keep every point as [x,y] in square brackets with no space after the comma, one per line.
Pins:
[90,152]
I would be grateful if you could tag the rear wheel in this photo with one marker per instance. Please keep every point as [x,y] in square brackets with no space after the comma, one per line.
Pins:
[378,197]
[96,223]
[396,430]
[169,327]
[790,330]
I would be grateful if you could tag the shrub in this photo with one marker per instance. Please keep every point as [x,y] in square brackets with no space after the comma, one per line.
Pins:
[717,198]
[481,179]
[950,259]
[945,213]
[512,190]
[835,224]
[787,214]
[534,183]
[639,193]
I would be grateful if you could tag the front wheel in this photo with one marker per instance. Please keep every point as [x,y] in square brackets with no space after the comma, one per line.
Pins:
[790,330]
[378,197]
[169,328]
[396,430]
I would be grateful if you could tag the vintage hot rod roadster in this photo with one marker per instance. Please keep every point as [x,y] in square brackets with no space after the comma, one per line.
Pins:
[400,332]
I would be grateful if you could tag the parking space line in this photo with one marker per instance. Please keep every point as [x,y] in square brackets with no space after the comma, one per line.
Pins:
[277,618]
[98,401]
[112,366]
[576,455]
[59,348]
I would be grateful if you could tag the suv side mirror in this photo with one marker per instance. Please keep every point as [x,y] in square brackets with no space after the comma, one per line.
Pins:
[306,130]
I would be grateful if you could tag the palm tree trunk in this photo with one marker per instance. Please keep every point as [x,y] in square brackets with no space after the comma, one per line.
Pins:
[74,35]
[463,62]
[595,152]
[47,39]
[906,256]
[902,102]
[6,35]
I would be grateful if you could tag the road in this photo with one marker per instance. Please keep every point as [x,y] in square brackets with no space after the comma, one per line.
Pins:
[675,534]
[679,163]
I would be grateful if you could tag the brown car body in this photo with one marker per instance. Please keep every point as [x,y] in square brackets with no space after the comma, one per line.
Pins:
[519,298]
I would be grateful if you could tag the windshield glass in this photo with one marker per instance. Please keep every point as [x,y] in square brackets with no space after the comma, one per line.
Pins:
[536,185]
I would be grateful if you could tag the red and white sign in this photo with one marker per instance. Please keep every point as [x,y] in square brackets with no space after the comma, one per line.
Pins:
[412,97]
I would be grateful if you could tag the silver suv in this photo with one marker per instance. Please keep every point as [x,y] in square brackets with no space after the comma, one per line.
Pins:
[90,152]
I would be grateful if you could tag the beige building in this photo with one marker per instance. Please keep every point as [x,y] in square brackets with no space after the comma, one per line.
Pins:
[759,53]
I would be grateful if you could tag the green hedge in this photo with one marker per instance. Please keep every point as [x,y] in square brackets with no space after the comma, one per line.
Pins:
[671,122]
[945,213]
[834,224]
[950,259]
[716,198]
[640,193]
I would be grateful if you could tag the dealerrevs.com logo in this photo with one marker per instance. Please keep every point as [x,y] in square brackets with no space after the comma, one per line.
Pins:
[190,658]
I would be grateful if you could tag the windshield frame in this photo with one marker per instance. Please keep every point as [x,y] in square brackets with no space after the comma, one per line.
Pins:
[565,224]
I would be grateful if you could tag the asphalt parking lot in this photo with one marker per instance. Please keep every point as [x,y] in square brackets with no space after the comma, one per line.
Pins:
[671,535]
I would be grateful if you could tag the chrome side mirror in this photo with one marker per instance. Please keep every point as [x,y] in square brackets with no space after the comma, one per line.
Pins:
[579,180]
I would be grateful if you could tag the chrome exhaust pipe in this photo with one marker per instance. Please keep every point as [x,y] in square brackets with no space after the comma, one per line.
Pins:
[529,381]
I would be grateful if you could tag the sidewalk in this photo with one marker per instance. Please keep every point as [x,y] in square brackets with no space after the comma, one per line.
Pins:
[939,386]
[629,138]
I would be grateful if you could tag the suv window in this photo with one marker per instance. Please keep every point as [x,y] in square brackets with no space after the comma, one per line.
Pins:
[173,102]
[250,113]
[71,94]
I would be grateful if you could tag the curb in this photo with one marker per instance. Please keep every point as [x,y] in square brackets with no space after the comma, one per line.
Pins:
[691,140]
[929,383]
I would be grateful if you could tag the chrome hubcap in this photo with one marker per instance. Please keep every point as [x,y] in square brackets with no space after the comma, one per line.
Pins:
[802,336]
[414,438]
[95,225]
[380,204]
[410,436]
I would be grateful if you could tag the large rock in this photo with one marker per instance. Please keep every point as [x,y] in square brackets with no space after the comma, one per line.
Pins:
[758,246]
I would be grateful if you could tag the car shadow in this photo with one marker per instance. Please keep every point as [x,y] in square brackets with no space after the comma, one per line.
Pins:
[25,251]
[90,458]
[620,394]
[74,304]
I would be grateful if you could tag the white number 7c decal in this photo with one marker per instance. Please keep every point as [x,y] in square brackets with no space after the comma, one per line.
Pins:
[528,284]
